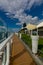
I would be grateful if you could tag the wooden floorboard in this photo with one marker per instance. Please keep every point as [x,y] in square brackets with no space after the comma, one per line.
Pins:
[19,54]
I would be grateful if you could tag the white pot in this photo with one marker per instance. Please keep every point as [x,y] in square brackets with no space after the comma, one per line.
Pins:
[34,43]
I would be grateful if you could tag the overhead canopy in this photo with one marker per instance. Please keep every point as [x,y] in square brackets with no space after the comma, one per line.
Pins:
[30,26]
[40,25]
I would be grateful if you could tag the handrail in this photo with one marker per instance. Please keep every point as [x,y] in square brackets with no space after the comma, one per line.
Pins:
[5,48]
[5,42]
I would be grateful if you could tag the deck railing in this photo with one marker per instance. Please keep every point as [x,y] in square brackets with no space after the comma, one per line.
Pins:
[5,51]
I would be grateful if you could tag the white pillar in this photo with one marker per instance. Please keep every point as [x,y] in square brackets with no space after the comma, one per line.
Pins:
[31,32]
[1,62]
[8,53]
[37,31]
[20,35]
[35,44]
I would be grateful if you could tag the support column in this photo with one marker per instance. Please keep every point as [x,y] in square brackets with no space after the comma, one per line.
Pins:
[1,53]
[8,53]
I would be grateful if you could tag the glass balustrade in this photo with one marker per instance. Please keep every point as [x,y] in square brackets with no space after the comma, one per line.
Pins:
[3,30]
[4,35]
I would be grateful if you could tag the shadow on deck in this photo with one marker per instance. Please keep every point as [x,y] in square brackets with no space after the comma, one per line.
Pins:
[19,54]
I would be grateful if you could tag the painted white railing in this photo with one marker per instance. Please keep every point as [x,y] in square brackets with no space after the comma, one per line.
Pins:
[5,50]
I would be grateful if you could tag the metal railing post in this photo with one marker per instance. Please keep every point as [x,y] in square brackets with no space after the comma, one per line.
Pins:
[8,53]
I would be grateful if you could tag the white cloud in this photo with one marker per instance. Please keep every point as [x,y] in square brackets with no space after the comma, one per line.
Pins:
[38,2]
[41,20]
[28,19]
[17,7]
[15,29]
[2,27]
[2,22]
[35,3]
[18,23]
[31,19]
[13,6]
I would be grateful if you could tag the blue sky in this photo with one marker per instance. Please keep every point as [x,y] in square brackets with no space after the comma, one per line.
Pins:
[16,12]
[36,11]
[10,23]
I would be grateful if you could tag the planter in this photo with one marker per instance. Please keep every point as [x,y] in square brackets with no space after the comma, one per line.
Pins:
[34,43]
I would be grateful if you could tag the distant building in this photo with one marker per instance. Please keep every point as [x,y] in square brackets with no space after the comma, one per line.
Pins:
[40,28]
[40,31]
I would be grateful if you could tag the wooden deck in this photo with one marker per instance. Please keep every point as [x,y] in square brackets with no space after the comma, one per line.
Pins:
[19,54]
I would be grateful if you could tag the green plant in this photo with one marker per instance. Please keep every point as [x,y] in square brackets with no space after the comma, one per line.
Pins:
[27,39]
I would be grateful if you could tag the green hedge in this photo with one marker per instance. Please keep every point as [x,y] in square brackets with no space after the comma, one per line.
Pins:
[26,39]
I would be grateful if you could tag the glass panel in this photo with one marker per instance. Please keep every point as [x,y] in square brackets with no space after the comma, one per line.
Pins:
[2,30]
